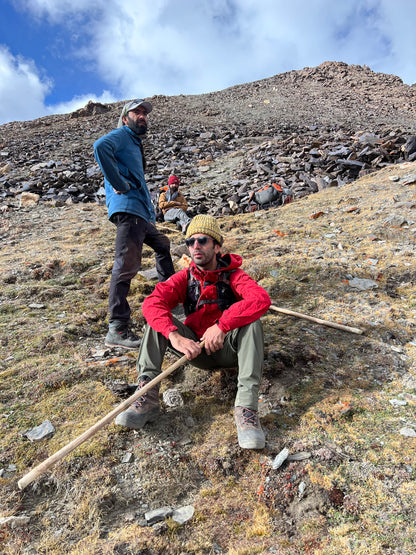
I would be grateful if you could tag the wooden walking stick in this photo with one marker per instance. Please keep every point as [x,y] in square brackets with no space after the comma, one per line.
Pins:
[166,228]
[316,320]
[47,463]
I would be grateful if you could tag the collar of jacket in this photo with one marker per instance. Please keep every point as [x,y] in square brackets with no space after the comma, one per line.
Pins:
[133,135]
[170,195]
[210,276]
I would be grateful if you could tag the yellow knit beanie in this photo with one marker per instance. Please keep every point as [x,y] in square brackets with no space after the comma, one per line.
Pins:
[206,225]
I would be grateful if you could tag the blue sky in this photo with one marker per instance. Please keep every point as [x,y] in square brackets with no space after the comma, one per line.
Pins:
[56,55]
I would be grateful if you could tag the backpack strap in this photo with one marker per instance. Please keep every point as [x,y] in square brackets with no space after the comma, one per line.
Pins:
[225,295]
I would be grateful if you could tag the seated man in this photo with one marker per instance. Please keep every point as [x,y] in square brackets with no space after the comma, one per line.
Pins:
[223,306]
[173,204]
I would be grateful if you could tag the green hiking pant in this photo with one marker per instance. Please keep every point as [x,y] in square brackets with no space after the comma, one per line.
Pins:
[243,347]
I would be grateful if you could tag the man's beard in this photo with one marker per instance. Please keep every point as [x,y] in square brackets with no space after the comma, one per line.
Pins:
[138,128]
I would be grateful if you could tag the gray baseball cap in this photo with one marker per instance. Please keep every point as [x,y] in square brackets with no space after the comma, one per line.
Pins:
[131,106]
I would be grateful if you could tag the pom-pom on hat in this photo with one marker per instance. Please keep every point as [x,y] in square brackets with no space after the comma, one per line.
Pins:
[205,224]
[173,179]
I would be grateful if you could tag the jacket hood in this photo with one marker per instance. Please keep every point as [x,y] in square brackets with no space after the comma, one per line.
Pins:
[229,262]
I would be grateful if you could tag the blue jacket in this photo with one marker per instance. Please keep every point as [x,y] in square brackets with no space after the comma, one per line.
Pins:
[119,156]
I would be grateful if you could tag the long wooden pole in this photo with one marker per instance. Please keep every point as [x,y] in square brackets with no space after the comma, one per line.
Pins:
[166,228]
[47,463]
[316,320]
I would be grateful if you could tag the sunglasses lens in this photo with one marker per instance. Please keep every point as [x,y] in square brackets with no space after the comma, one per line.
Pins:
[201,241]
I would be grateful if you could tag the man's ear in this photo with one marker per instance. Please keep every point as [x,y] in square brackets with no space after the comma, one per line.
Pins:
[124,120]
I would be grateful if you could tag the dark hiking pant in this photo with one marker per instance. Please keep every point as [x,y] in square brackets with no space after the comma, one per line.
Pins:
[132,232]
[243,347]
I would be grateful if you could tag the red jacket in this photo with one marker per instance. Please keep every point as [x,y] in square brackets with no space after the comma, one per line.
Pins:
[251,300]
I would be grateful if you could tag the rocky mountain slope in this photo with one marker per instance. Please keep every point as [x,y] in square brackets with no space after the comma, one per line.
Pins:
[337,474]
[308,130]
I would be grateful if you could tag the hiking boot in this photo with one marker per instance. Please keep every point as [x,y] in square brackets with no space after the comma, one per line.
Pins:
[122,337]
[250,434]
[144,409]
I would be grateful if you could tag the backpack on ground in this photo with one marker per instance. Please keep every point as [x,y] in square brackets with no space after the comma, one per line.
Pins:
[269,195]
[155,196]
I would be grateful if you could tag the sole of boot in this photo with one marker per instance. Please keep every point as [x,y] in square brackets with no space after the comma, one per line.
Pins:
[134,421]
[108,344]
[251,442]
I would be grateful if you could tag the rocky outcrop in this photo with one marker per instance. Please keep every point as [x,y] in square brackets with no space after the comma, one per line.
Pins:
[307,130]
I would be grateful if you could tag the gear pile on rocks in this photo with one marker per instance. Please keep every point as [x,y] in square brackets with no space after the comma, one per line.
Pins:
[226,144]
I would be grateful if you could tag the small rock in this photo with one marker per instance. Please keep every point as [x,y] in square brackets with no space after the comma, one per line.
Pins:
[14,521]
[28,199]
[396,220]
[302,487]
[157,515]
[173,398]
[409,179]
[43,431]
[299,456]
[127,458]
[5,169]
[362,284]
[407,432]
[280,458]
[398,402]
[183,514]
[149,274]
[100,353]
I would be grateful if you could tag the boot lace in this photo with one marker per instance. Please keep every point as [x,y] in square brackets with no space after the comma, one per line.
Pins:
[140,400]
[249,417]
[128,334]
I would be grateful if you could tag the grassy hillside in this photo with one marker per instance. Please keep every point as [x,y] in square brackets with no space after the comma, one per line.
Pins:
[341,400]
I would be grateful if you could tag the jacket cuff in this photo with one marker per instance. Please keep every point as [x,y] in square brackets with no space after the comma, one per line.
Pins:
[221,326]
[169,330]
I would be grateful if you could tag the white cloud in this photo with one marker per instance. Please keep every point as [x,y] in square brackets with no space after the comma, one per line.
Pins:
[56,10]
[146,47]
[187,46]
[397,24]
[22,89]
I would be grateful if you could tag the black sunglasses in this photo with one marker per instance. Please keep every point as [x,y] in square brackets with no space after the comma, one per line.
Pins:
[201,241]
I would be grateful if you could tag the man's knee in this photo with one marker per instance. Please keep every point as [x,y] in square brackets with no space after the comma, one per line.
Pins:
[126,266]
[255,329]
[163,245]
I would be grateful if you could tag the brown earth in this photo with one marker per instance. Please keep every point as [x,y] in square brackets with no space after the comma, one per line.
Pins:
[326,393]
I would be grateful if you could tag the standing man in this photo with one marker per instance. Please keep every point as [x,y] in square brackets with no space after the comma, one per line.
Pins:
[121,159]
[223,306]
[173,205]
